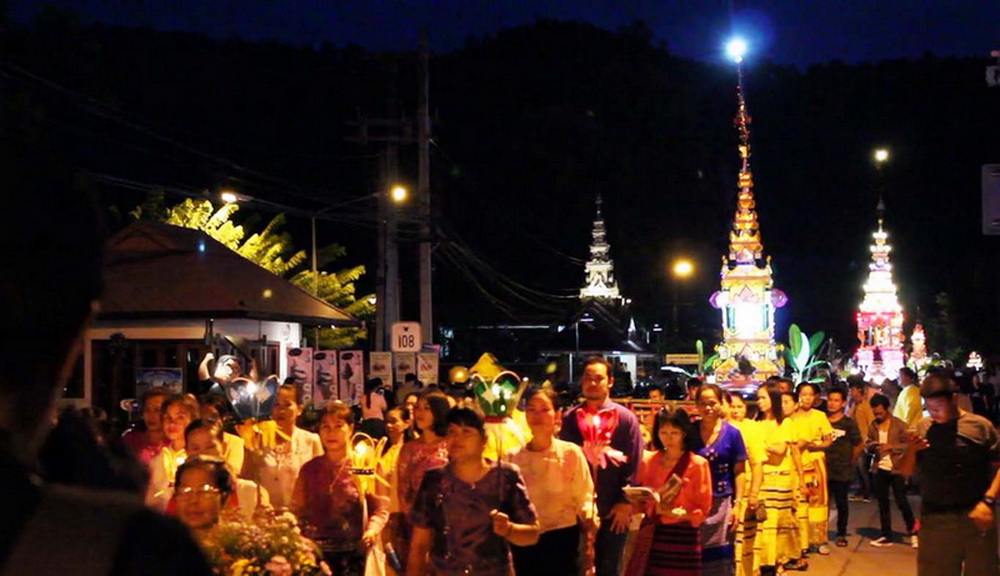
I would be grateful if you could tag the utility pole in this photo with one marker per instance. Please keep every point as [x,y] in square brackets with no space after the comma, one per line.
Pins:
[389,132]
[424,194]
[394,130]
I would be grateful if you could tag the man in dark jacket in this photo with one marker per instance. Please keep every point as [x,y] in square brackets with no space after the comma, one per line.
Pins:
[888,441]
[51,282]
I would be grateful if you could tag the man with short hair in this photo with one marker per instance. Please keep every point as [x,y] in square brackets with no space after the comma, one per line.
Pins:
[52,262]
[888,441]
[957,452]
[908,407]
[840,457]
[693,388]
[612,472]
[861,412]
[410,386]
[656,394]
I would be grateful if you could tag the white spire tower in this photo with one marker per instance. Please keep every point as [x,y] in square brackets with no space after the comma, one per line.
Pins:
[600,282]
[880,316]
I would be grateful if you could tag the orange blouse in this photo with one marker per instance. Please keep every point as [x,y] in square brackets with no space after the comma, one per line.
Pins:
[695,496]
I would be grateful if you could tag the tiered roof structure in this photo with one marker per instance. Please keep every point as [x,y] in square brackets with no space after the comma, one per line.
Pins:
[747,297]
[880,316]
[600,282]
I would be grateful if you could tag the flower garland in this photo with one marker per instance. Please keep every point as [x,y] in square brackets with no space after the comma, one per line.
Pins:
[271,545]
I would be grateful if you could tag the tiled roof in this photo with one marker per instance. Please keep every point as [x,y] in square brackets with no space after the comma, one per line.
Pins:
[162,271]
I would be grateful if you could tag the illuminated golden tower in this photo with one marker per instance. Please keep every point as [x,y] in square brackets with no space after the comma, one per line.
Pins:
[748,297]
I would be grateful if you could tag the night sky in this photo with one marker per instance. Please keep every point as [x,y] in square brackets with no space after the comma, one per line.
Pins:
[784,31]
[810,120]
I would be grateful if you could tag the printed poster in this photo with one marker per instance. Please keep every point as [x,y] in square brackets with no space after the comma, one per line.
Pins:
[148,378]
[325,378]
[381,367]
[403,363]
[427,367]
[300,370]
[351,368]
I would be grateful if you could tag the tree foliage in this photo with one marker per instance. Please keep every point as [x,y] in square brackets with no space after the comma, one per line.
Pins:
[273,250]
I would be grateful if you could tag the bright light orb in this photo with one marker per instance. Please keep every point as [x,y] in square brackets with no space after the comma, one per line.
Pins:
[736,49]
[399,194]
[683,268]
[881,155]
[229,197]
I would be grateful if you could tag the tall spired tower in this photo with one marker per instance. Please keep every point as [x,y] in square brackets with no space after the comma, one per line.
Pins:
[600,282]
[880,317]
[748,297]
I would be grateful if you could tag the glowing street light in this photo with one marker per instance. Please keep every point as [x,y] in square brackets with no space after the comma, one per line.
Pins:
[683,268]
[229,197]
[881,156]
[736,49]
[398,193]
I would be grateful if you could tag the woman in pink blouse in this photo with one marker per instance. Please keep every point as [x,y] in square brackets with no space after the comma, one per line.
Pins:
[559,484]
[330,502]
[677,502]
[428,450]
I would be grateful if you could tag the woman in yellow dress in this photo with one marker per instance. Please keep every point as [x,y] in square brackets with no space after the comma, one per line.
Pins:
[746,510]
[777,541]
[814,434]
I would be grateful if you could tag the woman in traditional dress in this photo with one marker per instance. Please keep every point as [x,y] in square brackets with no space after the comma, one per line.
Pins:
[747,509]
[468,513]
[216,407]
[398,430]
[679,500]
[777,541]
[428,450]
[279,451]
[814,434]
[558,478]
[147,438]
[722,445]
[176,413]
[330,501]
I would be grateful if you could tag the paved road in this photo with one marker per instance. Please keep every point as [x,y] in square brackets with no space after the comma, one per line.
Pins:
[860,558]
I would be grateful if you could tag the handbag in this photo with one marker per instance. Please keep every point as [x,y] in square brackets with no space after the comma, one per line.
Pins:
[761,512]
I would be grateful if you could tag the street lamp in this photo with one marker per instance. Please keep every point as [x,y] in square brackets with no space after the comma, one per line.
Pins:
[881,156]
[681,269]
[736,48]
[398,194]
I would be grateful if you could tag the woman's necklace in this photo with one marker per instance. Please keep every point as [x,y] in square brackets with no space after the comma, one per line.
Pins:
[335,475]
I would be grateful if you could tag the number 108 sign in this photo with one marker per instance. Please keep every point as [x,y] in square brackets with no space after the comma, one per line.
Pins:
[406,337]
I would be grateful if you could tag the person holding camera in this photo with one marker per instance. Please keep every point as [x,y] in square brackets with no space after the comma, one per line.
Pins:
[887,442]
[840,457]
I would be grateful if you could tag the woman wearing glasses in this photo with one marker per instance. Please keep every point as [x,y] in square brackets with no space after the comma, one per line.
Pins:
[203,486]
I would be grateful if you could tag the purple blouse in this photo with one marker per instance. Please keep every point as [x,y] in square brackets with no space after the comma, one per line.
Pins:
[331,511]
[723,455]
[416,458]
[459,514]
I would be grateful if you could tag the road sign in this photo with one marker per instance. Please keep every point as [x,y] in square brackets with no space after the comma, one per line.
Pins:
[406,337]
[682,359]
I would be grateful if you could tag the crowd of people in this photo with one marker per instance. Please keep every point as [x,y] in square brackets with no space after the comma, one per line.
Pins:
[713,487]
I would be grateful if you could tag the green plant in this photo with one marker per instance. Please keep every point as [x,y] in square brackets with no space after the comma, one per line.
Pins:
[801,351]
